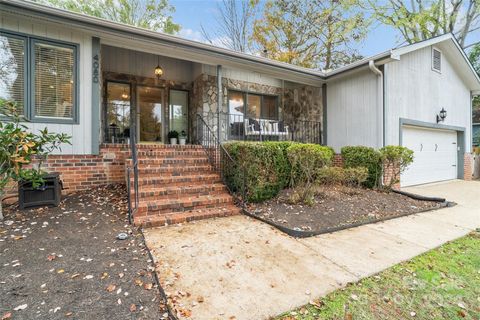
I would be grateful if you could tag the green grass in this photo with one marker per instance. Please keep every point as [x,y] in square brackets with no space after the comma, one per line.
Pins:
[441,284]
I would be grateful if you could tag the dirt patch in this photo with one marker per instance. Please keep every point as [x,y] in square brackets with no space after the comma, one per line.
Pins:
[65,262]
[337,207]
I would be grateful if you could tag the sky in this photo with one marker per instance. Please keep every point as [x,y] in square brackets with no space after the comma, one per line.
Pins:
[192,14]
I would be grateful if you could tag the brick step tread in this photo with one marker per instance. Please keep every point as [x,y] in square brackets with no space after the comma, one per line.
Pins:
[197,153]
[176,191]
[182,204]
[172,161]
[168,147]
[190,179]
[175,217]
[146,169]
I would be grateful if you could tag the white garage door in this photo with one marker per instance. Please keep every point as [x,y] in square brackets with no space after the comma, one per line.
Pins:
[435,155]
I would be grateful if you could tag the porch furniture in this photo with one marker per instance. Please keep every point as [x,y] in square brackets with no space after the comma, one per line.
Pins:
[265,127]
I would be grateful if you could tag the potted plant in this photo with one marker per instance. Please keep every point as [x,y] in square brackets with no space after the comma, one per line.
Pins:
[173,136]
[22,153]
[183,138]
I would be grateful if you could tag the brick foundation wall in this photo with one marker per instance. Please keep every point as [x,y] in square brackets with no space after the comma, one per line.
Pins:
[467,166]
[80,172]
[338,160]
[388,174]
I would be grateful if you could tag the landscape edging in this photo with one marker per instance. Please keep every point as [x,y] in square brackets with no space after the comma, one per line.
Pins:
[306,234]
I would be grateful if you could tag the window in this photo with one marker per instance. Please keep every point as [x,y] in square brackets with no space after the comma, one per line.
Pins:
[436,60]
[50,94]
[54,76]
[12,68]
[257,106]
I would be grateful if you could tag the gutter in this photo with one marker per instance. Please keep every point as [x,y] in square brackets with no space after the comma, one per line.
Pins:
[380,104]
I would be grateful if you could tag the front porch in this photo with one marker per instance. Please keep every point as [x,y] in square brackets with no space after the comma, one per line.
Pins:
[253,107]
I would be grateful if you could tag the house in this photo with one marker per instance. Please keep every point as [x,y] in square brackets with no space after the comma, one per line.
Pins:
[105,83]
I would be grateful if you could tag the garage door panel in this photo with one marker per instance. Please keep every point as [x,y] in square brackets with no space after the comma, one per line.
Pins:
[435,155]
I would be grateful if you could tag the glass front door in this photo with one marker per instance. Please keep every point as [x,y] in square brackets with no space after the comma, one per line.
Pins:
[150,109]
[117,112]
[179,111]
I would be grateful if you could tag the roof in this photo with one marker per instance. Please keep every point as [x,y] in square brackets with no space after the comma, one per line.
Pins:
[93,23]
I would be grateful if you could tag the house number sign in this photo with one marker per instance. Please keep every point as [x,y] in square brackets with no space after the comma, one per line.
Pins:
[96,65]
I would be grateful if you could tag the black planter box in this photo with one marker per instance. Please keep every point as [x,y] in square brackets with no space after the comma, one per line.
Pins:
[48,194]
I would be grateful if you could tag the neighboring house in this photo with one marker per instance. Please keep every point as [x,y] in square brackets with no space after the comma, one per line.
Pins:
[96,80]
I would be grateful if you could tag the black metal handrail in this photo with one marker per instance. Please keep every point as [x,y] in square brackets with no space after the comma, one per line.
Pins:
[244,128]
[132,208]
[220,159]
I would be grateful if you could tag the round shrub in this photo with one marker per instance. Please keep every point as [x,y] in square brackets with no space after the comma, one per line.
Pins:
[262,168]
[395,159]
[360,156]
[305,159]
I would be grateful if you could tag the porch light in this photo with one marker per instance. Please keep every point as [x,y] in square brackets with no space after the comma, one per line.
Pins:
[441,117]
[124,95]
[158,69]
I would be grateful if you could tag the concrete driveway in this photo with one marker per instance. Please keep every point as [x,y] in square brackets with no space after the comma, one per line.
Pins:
[240,268]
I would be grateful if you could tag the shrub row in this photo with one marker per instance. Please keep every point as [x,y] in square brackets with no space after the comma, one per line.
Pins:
[271,166]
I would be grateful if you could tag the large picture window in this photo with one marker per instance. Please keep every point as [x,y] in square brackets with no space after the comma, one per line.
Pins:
[256,107]
[50,94]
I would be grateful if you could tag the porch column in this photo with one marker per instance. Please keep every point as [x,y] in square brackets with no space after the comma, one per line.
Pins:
[219,100]
[96,88]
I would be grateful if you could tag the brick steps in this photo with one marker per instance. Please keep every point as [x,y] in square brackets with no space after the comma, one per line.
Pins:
[183,204]
[177,184]
[174,192]
[175,217]
[186,179]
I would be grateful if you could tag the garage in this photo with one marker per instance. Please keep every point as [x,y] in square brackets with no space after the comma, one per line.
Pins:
[435,154]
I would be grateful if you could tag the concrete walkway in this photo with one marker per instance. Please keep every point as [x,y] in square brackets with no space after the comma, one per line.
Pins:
[240,268]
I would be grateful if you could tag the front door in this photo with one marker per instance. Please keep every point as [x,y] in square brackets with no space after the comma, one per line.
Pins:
[151,118]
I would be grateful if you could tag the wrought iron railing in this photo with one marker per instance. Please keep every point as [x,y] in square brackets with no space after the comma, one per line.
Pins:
[132,203]
[240,127]
[222,161]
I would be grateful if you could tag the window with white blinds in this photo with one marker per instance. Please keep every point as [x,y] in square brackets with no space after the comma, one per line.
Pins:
[12,69]
[49,92]
[54,84]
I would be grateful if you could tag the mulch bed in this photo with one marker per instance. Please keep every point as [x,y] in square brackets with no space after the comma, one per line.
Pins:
[65,262]
[336,207]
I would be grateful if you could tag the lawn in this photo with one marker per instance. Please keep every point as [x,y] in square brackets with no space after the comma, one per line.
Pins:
[441,284]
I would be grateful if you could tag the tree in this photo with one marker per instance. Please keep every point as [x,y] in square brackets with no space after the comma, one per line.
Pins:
[149,14]
[474,57]
[20,148]
[315,34]
[418,20]
[233,25]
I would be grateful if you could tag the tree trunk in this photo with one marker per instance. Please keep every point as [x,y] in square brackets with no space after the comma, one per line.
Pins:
[1,210]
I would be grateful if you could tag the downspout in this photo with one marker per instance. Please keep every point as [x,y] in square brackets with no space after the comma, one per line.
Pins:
[219,101]
[380,103]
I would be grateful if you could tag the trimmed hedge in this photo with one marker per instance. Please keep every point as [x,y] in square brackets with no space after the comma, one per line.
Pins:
[305,159]
[360,156]
[265,165]
[343,176]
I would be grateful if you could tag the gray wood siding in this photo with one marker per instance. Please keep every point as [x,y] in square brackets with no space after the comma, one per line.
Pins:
[415,91]
[352,111]
[81,133]
[142,64]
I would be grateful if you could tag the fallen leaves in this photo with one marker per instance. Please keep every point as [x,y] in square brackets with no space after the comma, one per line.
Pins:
[148,286]
[111,287]
[51,257]
[20,307]
[7,316]
[133,307]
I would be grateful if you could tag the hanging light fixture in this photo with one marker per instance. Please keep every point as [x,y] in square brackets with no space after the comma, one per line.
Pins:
[158,69]
[124,94]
